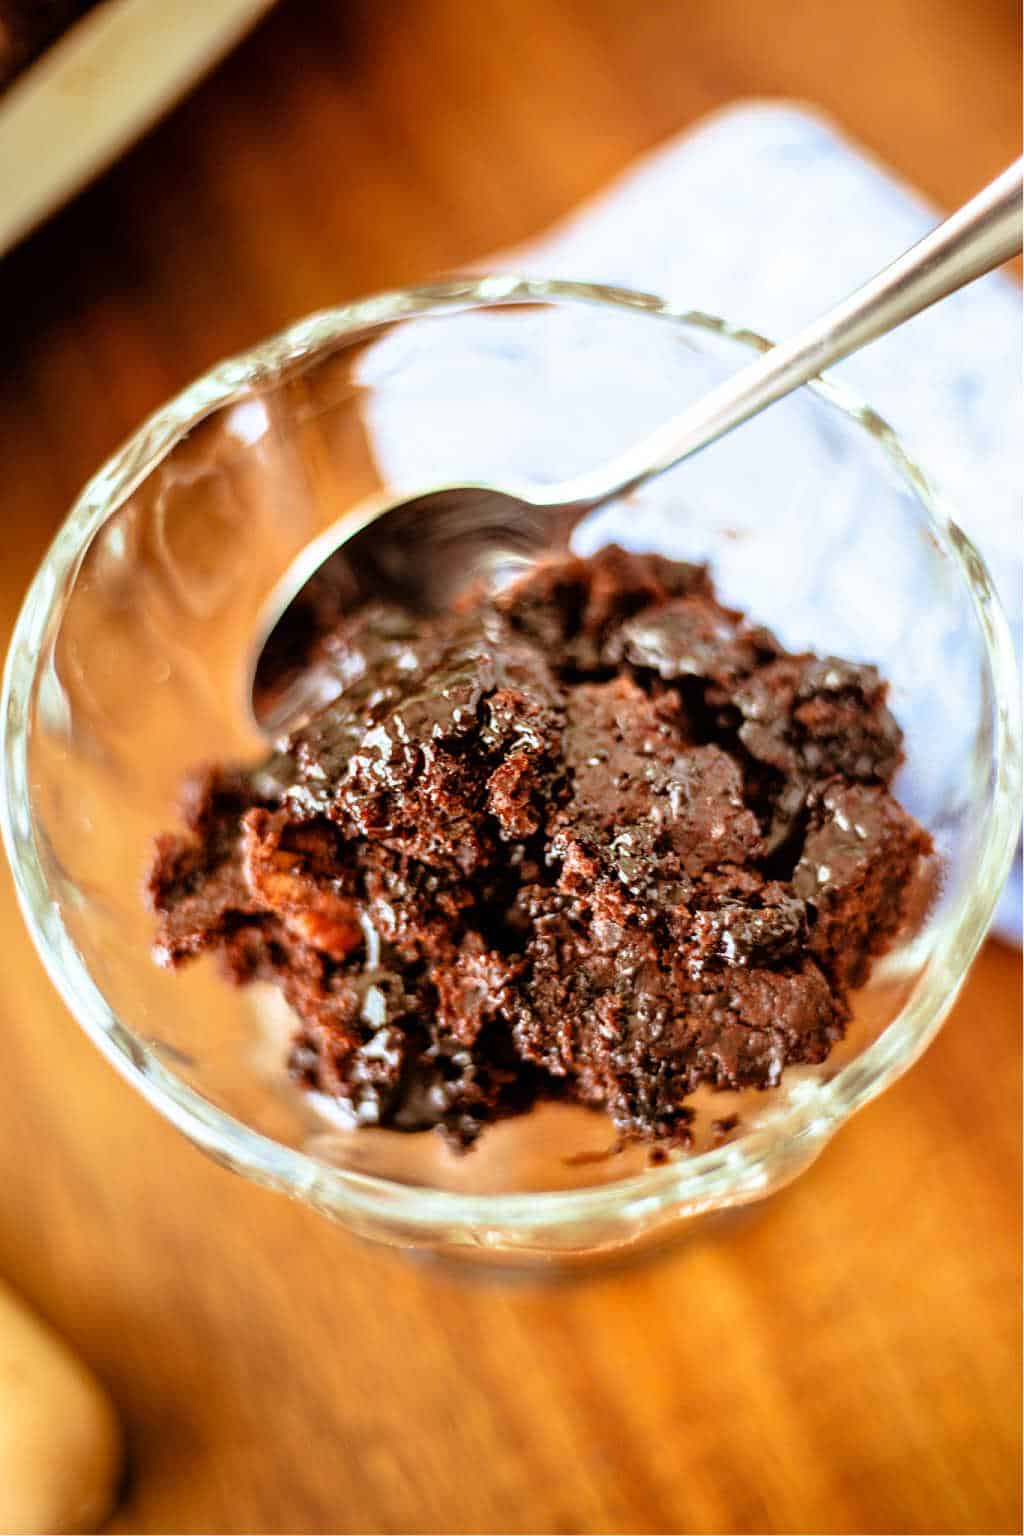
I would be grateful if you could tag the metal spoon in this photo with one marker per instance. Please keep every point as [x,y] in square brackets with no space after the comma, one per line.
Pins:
[421,549]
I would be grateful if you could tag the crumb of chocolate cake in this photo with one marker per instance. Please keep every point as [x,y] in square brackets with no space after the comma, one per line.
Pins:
[723,1128]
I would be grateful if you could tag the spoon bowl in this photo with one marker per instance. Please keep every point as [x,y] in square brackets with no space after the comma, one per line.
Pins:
[438,544]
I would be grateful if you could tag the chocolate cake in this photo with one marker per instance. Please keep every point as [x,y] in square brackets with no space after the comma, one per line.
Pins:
[597,837]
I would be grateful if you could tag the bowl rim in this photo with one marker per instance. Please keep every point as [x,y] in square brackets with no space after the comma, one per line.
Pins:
[730,1174]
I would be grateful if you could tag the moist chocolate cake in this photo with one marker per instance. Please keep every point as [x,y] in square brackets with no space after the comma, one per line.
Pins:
[597,837]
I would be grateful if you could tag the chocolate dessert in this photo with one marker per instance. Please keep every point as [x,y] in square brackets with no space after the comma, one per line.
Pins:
[597,837]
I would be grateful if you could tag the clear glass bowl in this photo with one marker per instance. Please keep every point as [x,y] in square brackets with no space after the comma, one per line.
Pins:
[127,666]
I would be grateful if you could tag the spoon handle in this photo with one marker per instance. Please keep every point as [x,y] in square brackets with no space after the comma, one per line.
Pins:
[984,233]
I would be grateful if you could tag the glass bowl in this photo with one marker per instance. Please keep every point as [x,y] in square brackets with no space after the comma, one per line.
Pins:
[127,667]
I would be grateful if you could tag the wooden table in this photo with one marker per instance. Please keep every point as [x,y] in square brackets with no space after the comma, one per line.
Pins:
[849,1359]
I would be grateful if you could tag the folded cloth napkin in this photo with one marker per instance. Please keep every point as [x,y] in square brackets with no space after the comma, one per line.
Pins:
[792,217]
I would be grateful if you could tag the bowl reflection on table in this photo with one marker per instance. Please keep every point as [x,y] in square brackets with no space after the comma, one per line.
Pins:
[130,658]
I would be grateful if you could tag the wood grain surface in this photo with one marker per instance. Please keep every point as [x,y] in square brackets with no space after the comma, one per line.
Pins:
[847,1359]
